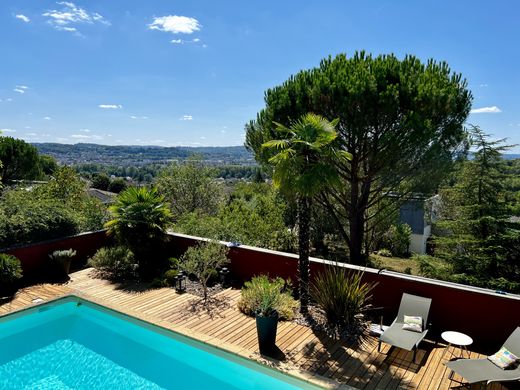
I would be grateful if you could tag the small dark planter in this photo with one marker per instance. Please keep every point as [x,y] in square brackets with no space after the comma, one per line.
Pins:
[266,330]
[66,266]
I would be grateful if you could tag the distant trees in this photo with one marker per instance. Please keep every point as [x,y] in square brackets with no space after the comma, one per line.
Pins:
[117,185]
[190,187]
[101,181]
[402,121]
[20,160]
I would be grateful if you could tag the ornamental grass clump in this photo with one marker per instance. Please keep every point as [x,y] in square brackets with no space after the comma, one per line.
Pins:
[341,295]
[264,296]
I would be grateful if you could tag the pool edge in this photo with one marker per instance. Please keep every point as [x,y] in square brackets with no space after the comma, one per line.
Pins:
[243,355]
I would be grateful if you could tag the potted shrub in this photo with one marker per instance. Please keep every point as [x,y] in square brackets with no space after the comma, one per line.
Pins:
[10,273]
[63,258]
[268,301]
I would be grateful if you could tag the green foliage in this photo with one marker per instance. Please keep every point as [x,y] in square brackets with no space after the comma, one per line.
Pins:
[263,296]
[253,215]
[202,261]
[48,165]
[10,270]
[190,187]
[303,162]
[61,256]
[342,295]
[474,234]
[117,185]
[140,217]
[117,262]
[56,209]
[170,277]
[20,160]
[101,181]
[397,240]
[402,121]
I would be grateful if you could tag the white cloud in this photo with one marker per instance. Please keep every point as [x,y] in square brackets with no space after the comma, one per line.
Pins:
[196,40]
[21,89]
[31,134]
[138,117]
[176,41]
[202,137]
[110,106]
[7,131]
[70,14]
[47,118]
[23,18]
[133,117]
[85,130]
[483,85]
[223,131]
[9,99]
[83,136]
[486,110]
[175,24]
[186,118]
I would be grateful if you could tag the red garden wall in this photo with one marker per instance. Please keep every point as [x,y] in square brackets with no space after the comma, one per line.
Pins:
[34,257]
[486,316]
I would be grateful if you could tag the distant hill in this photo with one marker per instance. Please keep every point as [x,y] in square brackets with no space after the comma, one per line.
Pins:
[142,155]
[511,156]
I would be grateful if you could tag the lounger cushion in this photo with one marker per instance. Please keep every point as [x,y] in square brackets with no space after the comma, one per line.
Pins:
[401,339]
[478,370]
[503,359]
[413,323]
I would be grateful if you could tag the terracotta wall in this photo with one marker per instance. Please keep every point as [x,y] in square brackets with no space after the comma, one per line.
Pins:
[35,257]
[486,316]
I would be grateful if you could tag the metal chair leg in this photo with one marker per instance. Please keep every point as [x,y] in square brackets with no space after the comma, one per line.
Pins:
[379,346]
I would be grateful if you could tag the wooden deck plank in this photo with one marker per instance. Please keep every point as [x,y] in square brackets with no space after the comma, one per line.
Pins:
[361,366]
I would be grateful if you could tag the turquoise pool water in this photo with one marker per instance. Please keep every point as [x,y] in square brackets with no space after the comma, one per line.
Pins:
[66,345]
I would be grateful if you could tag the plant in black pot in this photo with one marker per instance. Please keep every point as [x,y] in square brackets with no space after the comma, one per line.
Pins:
[268,301]
[10,274]
[63,259]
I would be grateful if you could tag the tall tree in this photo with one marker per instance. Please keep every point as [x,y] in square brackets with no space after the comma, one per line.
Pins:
[190,187]
[20,160]
[475,233]
[302,168]
[401,120]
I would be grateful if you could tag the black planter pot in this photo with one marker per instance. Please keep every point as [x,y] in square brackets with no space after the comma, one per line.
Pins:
[266,330]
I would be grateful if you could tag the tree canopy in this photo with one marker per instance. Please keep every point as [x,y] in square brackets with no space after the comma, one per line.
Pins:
[401,120]
[20,160]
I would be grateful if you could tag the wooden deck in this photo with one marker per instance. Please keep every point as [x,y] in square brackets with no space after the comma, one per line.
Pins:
[311,354]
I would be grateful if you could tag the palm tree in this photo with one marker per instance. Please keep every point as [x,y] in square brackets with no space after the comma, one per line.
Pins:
[140,217]
[303,167]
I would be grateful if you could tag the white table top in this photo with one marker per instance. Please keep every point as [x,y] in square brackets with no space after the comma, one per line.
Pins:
[457,338]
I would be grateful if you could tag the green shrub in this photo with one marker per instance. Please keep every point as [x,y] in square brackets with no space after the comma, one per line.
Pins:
[397,239]
[170,277]
[341,295]
[10,271]
[265,296]
[202,261]
[117,261]
[63,258]
[174,263]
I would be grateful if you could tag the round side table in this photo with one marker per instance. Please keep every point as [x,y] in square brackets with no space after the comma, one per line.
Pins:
[457,339]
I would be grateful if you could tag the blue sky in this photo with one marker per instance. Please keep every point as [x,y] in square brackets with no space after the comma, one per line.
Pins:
[194,72]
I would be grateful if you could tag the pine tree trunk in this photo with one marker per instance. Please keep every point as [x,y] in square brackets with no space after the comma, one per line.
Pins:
[304,216]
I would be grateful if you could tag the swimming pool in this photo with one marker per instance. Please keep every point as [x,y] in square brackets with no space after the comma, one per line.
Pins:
[72,343]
